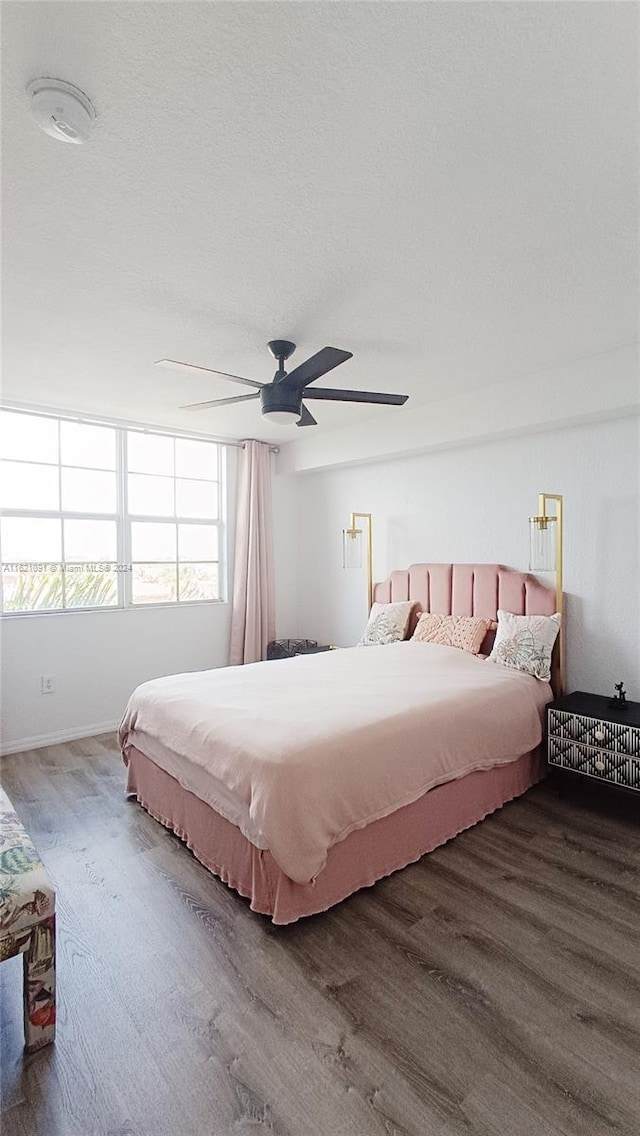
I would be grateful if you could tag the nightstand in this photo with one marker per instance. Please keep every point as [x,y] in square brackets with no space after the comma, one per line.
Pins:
[315,650]
[586,736]
[287,648]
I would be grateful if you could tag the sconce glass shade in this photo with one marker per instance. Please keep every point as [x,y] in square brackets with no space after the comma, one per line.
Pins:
[352,548]
[542,544]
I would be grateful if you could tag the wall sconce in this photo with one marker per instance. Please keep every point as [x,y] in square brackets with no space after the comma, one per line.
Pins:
[546,540]
[356,548]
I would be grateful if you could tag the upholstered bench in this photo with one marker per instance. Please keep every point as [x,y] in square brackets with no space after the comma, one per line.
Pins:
[28,925]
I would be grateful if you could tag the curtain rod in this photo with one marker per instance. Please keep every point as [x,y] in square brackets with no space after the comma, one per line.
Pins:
[123,424]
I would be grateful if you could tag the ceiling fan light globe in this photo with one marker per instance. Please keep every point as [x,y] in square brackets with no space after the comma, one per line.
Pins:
[282,417]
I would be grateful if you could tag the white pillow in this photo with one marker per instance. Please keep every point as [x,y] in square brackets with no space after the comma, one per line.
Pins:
[525,643]
[387,623]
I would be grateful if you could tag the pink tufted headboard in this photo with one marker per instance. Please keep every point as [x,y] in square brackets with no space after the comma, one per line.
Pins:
[469,589]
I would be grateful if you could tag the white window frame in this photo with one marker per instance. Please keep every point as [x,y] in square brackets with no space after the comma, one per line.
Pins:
[123,519]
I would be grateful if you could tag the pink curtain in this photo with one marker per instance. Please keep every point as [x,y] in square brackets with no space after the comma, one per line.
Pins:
[253,607]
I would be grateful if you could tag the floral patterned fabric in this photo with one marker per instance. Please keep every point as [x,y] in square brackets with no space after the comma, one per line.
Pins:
[387,623]
[525,643]
[462,631]
[27,924]
[26,894]
[40,985]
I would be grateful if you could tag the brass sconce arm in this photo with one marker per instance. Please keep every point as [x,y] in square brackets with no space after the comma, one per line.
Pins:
[542,522]
[354,532]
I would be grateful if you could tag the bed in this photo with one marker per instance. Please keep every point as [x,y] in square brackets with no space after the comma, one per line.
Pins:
[300,781]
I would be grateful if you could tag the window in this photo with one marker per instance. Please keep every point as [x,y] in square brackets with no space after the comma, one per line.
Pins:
[97,516]
[173,506]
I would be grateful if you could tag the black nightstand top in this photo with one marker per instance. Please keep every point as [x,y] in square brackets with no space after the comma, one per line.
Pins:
[597,706]
[317,650]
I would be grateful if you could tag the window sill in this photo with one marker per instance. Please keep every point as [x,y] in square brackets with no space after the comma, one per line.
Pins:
[115,608]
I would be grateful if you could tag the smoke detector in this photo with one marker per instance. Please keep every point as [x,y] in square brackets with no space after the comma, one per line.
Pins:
[61,110]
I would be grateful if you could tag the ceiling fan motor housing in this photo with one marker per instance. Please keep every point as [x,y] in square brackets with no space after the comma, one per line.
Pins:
[279,398]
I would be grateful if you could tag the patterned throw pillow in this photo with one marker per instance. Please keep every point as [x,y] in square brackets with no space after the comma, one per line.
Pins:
[464,631]
[525,643]
[387,623]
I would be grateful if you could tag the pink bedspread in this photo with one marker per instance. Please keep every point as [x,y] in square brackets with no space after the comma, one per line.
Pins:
[320,745]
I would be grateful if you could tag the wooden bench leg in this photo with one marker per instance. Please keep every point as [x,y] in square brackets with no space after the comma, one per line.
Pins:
[39,961]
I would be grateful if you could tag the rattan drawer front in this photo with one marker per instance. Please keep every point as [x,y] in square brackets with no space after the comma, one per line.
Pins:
[593,762]
[594,732]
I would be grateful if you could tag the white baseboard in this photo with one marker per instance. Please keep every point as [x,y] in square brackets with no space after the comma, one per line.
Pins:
[58,736]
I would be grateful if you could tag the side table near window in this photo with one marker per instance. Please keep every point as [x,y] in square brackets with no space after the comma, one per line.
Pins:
[589,737]
[288,648]
[318,649]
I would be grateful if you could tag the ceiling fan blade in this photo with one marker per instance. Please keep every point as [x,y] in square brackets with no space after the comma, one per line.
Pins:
[317,366]
[356,396]
[174,365]
[221,402]
[306,418]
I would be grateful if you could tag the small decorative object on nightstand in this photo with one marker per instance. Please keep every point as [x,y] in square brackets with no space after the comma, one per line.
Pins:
[619,700]
[596,737]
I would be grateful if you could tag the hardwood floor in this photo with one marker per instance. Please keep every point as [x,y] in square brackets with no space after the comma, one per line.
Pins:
[492,989]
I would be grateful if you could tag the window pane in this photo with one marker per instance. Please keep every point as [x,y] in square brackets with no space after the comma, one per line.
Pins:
[31,539]
[153,583]
[198,542]
[90,540]
[28,437]
[86,588]
[151,496]
[32,591]
[153,542]
[196,499]
[93,446]
[150,453]
[196,459]
[24,485]
[198,581]
[88,491]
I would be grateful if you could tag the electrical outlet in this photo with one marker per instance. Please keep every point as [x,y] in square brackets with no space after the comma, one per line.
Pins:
[47,684]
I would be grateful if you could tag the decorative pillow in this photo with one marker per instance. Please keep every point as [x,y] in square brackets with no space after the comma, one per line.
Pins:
[525,643]
[464,631]
[387,623]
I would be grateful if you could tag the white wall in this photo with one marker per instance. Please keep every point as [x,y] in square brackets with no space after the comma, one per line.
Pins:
[472,503]
[593,387]
[98,658]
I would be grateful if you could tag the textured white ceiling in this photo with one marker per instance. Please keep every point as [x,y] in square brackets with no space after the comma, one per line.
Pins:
[445,189]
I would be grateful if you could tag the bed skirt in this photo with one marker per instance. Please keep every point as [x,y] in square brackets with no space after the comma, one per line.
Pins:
[365,856]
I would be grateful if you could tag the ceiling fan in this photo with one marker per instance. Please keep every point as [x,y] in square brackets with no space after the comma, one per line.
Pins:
[281,399]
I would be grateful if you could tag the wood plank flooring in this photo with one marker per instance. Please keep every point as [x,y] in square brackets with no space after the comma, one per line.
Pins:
[493,989]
